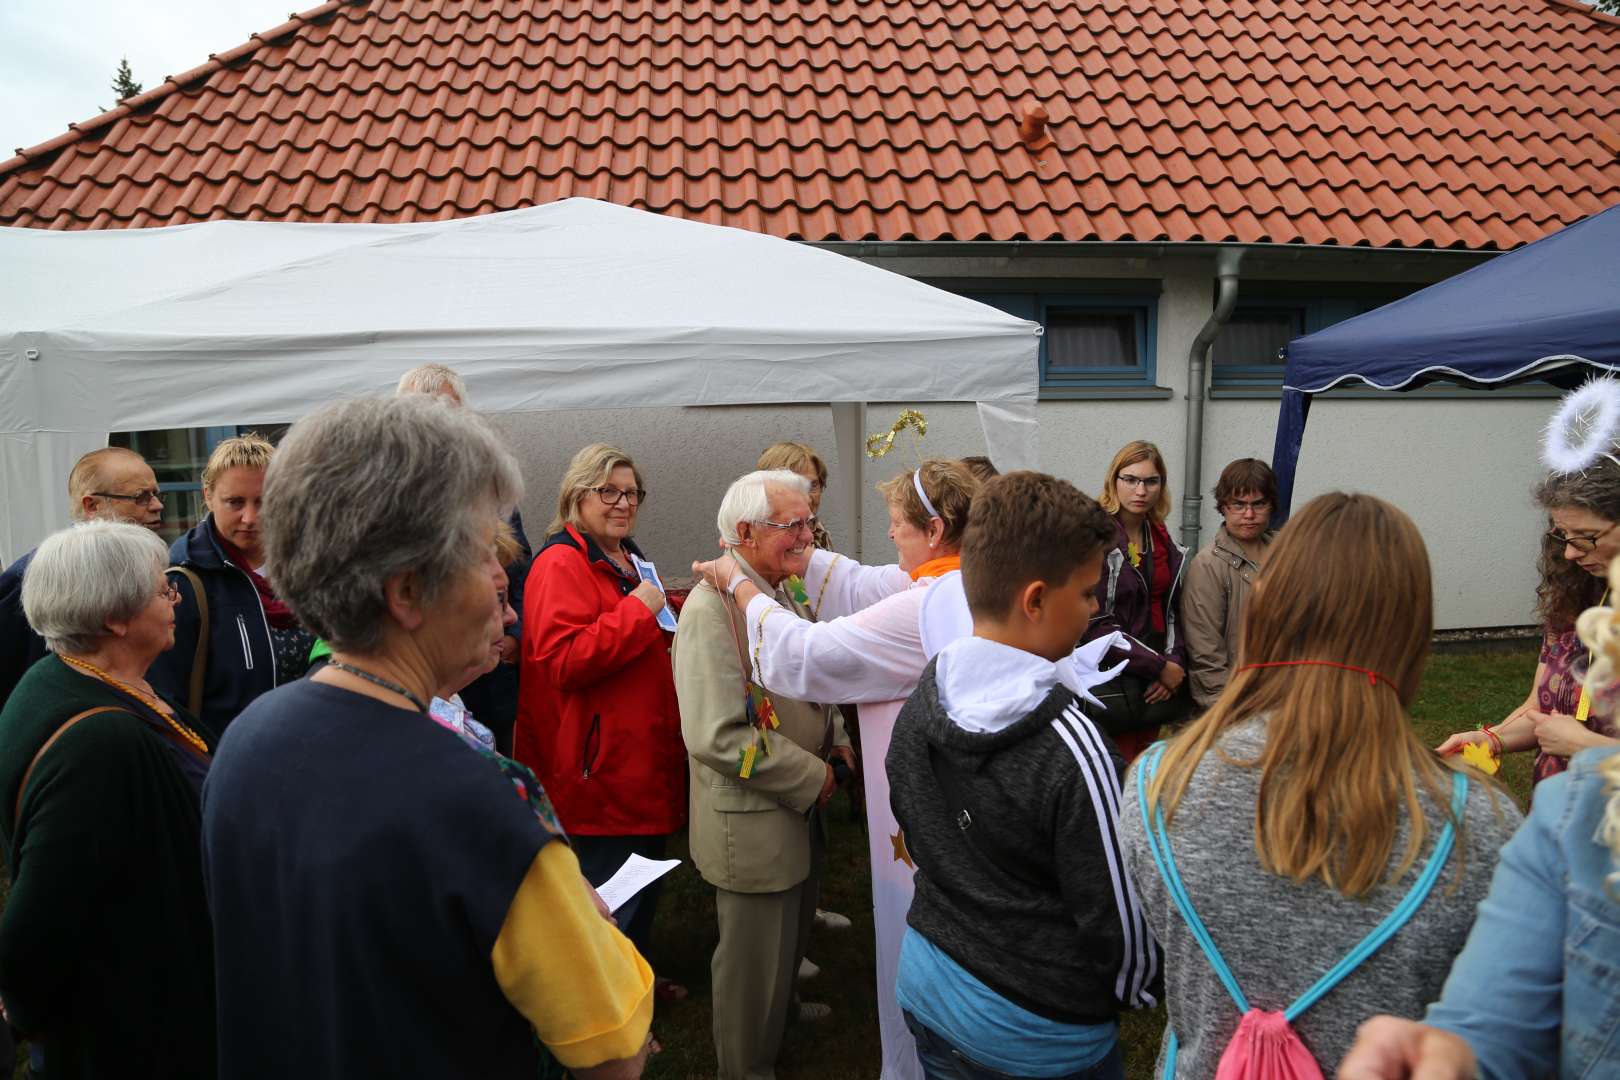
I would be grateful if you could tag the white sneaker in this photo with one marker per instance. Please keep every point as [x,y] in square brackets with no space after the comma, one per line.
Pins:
[831,920]
[813,1012]
[808,969]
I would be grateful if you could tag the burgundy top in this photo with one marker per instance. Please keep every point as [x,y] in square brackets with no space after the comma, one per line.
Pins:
[1161,573]
[1559,691]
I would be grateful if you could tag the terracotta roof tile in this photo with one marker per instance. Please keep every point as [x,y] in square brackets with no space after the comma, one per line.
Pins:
[1450,123]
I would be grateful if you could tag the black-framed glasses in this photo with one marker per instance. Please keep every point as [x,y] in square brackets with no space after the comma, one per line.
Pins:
[1256,506]
[1146,482]
[150,495]
[612,496]
[807,524]
[1585,543]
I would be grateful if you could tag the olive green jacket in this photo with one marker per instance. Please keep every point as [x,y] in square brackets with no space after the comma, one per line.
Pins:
[752,835]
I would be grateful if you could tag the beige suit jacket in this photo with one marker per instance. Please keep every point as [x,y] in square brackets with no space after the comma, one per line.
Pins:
[750,836]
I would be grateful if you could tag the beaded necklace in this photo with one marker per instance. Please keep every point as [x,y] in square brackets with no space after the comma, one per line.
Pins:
[378,680]
[151,701]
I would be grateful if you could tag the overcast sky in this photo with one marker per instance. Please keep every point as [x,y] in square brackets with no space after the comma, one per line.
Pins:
[57,57]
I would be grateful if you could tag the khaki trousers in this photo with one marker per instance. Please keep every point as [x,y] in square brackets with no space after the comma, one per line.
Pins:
[763,937]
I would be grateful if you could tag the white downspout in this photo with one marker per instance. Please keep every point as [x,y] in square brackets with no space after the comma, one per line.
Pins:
[1227,261]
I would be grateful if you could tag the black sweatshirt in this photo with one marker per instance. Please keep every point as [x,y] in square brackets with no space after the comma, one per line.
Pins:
[1049,920]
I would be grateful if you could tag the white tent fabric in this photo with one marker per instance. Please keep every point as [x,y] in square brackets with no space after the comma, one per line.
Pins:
[575,304]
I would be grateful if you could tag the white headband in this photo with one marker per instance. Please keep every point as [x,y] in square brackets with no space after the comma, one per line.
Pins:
[1584,428]
[916,482]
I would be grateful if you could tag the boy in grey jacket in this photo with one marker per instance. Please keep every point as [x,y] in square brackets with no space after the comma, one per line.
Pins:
[1025,939]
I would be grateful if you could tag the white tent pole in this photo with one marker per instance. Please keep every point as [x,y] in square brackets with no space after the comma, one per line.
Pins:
[849,436]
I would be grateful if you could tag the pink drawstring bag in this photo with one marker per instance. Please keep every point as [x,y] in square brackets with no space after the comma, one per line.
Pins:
[1265,1045]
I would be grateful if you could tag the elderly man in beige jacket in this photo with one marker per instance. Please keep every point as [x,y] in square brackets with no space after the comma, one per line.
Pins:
[757,784]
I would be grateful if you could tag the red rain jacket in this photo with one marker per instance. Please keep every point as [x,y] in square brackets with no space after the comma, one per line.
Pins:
[597,717]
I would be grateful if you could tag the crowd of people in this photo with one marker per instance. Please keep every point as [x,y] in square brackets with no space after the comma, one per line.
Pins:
[327,787]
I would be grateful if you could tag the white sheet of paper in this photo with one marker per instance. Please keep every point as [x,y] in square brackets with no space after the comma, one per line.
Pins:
[649,572]
[636,874]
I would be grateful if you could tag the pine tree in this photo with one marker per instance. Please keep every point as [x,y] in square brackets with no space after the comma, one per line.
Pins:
[124,84]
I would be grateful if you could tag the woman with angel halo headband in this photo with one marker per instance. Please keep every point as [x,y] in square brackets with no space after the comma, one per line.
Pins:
[870,643]
[1581,495]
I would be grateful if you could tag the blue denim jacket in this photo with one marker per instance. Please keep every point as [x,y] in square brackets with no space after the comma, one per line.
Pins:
[1536,991]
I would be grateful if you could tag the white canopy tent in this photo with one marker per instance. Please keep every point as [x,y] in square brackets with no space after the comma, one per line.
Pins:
[576,304]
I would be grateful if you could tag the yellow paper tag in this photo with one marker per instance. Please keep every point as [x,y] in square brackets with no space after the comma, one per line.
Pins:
[1583,707]
[1480,757]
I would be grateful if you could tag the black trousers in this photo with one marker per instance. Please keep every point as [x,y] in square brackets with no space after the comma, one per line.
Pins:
[600,858]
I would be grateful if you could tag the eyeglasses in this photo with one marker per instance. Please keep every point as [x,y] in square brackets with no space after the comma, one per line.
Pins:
[1256,506]
[1585,543]
[807,524]
[816,487]
[168,592]
[612,496]
[150,495]
[1146,482]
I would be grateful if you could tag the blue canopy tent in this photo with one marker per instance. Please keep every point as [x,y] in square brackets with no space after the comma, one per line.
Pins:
[1549,310]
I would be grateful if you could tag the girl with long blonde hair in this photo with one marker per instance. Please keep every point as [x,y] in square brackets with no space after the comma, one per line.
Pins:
[1301,808]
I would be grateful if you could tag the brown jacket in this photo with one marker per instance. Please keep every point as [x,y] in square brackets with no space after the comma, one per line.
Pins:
[753,835]
[1217,584]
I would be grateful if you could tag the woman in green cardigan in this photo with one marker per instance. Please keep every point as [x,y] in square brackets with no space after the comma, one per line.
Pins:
[106,950]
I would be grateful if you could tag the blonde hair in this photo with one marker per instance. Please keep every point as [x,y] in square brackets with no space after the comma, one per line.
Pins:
[794,457]
[507,548]
[1133,453]
[1599,630]
[950,485]
[590,468]
[89,474]
[250,451]
[1346,581]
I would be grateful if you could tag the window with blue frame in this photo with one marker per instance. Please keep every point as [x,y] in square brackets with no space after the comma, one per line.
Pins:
[1097,337]
[1268,315]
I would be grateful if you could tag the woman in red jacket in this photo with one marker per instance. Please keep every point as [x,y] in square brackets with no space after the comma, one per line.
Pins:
[597,718]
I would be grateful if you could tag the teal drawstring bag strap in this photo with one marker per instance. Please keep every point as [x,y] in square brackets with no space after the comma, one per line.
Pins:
[1238,1060]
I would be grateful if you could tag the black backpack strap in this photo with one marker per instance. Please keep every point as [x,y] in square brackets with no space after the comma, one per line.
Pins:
[1010,860]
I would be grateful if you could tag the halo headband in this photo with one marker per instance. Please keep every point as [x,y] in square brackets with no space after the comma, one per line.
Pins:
[1372,676]
[916,482]
[1584,428]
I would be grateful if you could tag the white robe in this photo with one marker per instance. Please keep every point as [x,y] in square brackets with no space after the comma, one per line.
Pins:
[875,632]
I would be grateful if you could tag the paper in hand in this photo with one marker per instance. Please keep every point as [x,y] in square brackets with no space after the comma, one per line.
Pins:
[636,874]
[649,572]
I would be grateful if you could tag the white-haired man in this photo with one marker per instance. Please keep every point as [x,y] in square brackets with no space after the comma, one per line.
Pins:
[760,770]
[110,484]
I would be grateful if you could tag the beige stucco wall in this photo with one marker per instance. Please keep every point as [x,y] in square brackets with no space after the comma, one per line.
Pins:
[1461,468]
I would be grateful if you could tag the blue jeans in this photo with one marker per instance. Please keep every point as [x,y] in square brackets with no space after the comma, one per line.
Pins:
[941,1060]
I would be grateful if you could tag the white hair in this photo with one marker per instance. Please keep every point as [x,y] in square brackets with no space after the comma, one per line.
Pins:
[433,378]
[87,575]
[749,499]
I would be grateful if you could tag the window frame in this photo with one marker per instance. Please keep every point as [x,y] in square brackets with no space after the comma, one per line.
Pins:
[1319,304]
[1038,300]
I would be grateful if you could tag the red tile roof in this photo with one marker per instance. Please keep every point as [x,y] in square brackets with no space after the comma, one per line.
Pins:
[1450,123]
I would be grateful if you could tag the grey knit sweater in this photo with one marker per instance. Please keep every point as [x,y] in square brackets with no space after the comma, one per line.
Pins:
[1279,937]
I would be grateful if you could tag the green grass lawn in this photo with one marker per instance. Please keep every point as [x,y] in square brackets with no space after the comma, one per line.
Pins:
[1459,691]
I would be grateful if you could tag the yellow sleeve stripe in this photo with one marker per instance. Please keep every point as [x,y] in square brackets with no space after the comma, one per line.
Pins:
[580,982]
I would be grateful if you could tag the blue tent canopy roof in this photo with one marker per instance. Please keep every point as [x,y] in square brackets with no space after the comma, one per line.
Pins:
[1549,310]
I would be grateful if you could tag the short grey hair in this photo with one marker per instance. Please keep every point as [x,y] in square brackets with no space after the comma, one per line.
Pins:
[88,575]
[363,491]
[749,499]
[432,378]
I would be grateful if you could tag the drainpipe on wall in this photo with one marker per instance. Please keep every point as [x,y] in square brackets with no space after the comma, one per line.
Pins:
[1227,261]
